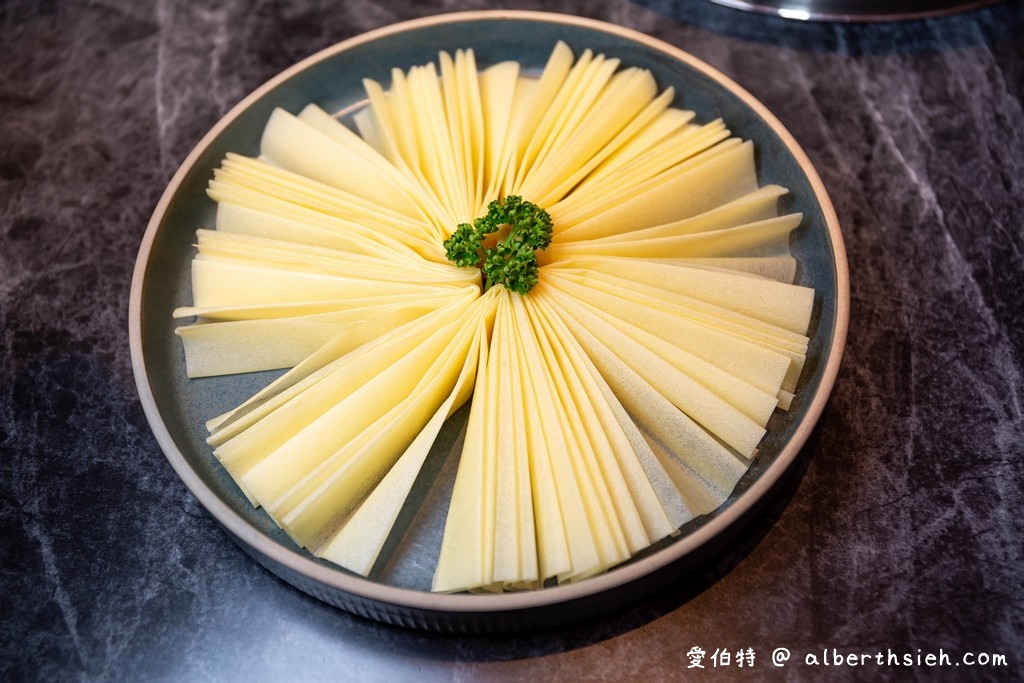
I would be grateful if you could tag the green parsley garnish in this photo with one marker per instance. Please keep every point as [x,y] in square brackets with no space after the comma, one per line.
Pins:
[522,228]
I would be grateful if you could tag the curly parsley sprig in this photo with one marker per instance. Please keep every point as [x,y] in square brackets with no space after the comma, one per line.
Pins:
[512,261]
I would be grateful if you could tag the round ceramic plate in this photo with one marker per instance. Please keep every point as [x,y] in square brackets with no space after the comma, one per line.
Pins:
[398,592]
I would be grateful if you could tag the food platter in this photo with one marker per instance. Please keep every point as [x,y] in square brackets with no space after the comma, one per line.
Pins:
[399,592]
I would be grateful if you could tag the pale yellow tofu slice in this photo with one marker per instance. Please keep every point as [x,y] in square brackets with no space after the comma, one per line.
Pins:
[358,543]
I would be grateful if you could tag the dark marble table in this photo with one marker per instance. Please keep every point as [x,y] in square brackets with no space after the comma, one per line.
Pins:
[900,532]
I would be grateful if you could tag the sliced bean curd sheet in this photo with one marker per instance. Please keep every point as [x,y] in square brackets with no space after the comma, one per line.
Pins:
[255,345]
[419,134]
[221,283]
[273,471]
[244,220]
[321,225]
[748,399]
[261,185]
[498,93]
[605,466]
[583,410]
[682,441]
[318,363]
[578,477]
[764,238]
[759,205]
[760,371]
[264,174]
[397,128]
[331,127]
[713,412]
[265,252]
[570,109]
[297,146]
[611,439]
[367,126]
[550,515]
[614,519]
[324,123]
[482,508]
[598,122]
[629,136]
[648,133]
[374,123]
[314,116]
[647,157]
[747,216]
[777,303]
[465,555]
[515,548]
[621,398]
[569,547]
[312,508]
[609,536]
[683,303]
[499,512]
[433,297]
[357,544]
[461,84]
[461,103]
[534,115]
[270,419]
[433,137]
[327,492]
[489,512]
[583,84]
[672,506]
[527,89]
[309,371]
[714,177]
[690,144]
[312,369]
[781,268]
[790,344]
[702,485]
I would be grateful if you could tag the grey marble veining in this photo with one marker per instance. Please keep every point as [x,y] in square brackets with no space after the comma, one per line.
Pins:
[899,530]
